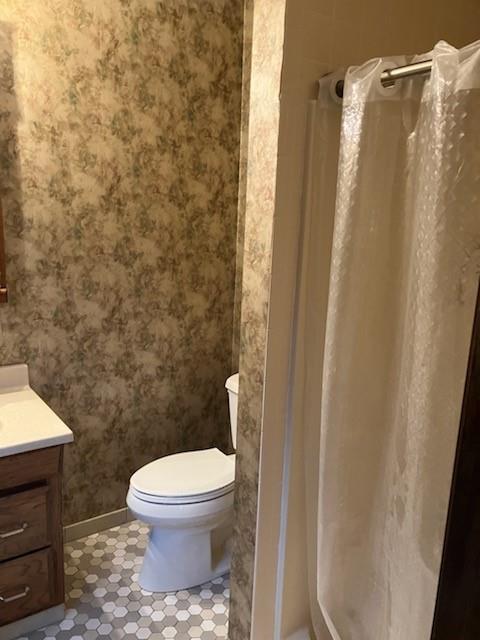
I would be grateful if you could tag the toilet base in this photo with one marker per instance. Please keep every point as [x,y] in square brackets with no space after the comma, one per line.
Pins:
[176,560]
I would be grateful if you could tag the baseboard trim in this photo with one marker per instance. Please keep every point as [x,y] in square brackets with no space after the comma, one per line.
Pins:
[31,623]
[301,634]
[94,525]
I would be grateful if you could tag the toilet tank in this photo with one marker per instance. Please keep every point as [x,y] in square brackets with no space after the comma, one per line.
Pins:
[231,386]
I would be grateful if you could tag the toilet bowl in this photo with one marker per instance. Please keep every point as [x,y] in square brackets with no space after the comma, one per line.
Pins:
[187,499]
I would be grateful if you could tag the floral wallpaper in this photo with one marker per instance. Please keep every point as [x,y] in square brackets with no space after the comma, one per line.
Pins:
[242,175]
[267,24]
[119,144]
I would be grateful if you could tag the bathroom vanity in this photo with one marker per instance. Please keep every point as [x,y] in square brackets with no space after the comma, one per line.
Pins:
[31,535]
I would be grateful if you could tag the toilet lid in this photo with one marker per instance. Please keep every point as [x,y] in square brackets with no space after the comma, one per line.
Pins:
[185,474]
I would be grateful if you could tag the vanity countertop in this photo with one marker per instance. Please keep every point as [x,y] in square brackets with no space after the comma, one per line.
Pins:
[26,421]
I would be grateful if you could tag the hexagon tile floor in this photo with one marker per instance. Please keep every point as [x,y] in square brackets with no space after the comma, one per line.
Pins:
[105,601]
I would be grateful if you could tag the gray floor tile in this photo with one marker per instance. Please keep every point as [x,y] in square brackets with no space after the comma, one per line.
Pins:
[105,601]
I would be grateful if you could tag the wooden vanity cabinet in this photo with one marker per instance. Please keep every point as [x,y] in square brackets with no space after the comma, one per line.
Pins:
[31,534]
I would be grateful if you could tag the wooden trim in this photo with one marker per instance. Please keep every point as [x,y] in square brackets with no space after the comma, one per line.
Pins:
[3,264]
[56,530]
[457,611]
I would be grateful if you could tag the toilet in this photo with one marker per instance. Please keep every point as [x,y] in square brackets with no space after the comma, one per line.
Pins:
[187,499]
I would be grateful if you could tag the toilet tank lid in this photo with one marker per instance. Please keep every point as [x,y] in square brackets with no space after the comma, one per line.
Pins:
[232,383]
[185,474]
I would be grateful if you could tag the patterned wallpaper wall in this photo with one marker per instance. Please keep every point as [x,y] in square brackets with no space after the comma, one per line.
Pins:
[266,38]
[242,174]
[119,137]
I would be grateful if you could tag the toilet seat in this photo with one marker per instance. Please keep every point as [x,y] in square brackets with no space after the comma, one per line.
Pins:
[199,497]
[179,515]
[185,478]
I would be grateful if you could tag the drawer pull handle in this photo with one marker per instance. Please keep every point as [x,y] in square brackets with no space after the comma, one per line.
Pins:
[15,532]
[17,596]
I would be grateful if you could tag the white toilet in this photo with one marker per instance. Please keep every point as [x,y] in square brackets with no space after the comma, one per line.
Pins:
[187,499]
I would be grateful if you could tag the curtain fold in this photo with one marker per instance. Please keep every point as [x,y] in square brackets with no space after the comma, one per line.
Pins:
[390,275]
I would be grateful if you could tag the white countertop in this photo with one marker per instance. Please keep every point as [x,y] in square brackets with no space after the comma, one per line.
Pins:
[26,421]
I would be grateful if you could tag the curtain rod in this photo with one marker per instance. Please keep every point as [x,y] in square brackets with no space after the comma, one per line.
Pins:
[389,77]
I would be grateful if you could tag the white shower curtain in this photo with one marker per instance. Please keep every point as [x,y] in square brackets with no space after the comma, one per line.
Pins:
[391,271]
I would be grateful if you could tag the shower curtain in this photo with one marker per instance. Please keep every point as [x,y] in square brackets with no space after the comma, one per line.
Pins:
[390,274]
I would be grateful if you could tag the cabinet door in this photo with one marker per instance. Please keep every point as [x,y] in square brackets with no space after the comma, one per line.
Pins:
[23,522]
[26,586]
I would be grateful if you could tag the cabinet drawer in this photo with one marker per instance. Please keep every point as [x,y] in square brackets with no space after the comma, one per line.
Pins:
[26,586]
[23,522]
